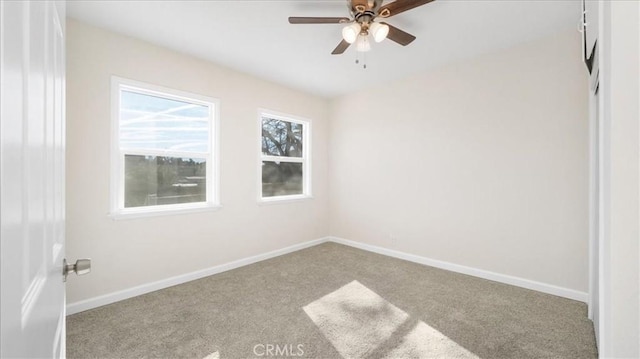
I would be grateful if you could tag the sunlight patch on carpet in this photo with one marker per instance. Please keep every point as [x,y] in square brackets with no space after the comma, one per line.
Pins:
[358,322]
[214,355]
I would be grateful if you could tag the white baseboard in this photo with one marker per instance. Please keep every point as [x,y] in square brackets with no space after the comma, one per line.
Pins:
[99,301]
[496,277]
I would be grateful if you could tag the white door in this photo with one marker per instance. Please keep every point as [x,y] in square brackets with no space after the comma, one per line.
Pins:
[594,291]
[32,144]
[597,199]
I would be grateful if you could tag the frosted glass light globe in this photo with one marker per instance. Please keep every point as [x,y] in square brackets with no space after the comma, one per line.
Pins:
[379,31]
[363,44]
[350,32]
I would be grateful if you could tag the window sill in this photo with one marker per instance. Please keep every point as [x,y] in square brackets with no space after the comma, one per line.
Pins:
[172,211]
[283,199]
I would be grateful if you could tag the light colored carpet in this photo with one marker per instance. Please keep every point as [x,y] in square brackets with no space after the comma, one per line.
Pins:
[333,301]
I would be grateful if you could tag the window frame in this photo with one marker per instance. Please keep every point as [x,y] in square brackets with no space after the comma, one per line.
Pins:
[212,157]
[305,159]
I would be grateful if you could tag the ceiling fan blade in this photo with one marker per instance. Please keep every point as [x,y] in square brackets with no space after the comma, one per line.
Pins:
[341,48]
[399,36]
[364,4]
[318,20]
[399,6]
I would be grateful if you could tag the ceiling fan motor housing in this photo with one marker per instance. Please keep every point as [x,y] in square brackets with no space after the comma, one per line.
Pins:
[364,19]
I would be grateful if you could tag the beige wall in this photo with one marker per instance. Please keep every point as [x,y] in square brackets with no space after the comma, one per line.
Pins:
[127,253]
[483,163]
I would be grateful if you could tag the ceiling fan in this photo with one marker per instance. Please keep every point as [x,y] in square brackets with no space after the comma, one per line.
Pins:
[362,22]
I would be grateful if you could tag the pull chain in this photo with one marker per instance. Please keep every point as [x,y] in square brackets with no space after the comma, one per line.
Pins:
[364,59]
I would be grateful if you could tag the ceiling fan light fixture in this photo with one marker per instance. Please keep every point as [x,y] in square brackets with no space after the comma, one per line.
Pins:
[363,44]
[350,32]
[362,22]
[379,31]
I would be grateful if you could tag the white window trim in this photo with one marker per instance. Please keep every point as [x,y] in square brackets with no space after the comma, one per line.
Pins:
[305,160]
[117,210]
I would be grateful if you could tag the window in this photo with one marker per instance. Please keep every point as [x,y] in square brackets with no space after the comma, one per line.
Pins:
[163,150]
[285,158]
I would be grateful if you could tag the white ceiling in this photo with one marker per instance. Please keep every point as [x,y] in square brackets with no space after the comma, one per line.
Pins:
[254,36]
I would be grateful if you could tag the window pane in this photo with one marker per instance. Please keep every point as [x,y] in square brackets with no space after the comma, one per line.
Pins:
[156,180]
[281,179]
[281,138]
[151,122]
